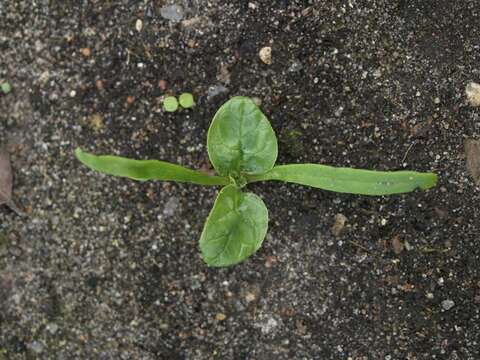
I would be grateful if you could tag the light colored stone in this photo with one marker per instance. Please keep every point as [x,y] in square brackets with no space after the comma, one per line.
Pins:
[220,317]
[37,347]
[269,325]
[447,304]
[172,12]
[171,206]
[139,25]
[473,94]
[266,55]
[215,90]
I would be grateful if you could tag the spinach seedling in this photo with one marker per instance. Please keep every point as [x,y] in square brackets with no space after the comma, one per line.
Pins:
[242,147]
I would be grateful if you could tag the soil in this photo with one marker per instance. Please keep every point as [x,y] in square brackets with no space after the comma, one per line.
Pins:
[107,268]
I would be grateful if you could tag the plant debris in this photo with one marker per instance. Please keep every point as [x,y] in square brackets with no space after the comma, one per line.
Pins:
[397,245]
[472,152]
[339,224]
[96,122]
[6,182]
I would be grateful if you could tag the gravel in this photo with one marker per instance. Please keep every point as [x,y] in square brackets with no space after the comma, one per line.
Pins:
[172,12]
[115,265]
[447,304]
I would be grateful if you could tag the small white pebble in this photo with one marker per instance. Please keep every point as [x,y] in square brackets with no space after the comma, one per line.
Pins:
[447,304]
[73,93]
[139,25]
[407,245]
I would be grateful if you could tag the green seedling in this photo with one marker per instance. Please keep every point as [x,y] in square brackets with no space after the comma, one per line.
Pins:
[170,104]
[242,147]
[186,100]
[6,87]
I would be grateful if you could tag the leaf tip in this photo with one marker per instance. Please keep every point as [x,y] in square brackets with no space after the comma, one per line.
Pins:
[78,152]
[80,155]
[430,180]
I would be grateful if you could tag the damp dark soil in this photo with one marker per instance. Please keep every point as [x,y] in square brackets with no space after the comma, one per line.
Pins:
[107,268]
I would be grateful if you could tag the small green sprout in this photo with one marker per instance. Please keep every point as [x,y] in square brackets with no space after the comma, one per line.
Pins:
[242,147]
[186,100]
[170,104]
[6,87]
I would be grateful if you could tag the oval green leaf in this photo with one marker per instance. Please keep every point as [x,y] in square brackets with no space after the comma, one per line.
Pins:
[241,139]
[146,169]
[235,227]
[186,100]
[170,104]
[352,181]
[6,87]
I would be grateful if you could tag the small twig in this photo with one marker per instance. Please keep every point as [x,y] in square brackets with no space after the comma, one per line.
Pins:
[408,150]
[361,247]
[16,209]
[428,250]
